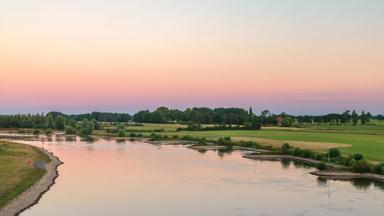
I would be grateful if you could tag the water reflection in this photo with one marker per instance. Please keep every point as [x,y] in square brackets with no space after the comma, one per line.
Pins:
[285,163]
[132,178]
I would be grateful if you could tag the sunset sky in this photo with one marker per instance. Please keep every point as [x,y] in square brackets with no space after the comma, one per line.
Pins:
[297,56]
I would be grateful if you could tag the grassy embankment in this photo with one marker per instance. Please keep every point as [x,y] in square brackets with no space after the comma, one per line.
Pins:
[16,172]
[365,139]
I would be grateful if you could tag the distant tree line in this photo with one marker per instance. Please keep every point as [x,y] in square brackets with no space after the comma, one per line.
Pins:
[219,117]
[346,117]
[197,115]
[40,121]
[98,116]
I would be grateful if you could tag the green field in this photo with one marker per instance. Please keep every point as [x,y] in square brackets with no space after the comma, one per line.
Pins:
[16,174]
[366,139]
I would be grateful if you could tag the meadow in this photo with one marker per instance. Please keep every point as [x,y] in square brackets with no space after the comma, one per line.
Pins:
[365,139]
[17,170]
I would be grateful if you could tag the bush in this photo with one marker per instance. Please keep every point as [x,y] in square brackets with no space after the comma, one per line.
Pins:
[379,168]
[285,148]
[48,131]
[306,153]
[334,153]
[175,136]
[361,166]
[358,156]
[69,130]
[132,135]
[202,141]
[121,133]
[227,139]
[139,135]
[297,152]
[321,166]
[121,126]
[155,137]
[36,131]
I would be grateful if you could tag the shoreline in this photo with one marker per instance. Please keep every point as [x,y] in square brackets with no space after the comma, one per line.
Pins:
[32,195]
[336,174]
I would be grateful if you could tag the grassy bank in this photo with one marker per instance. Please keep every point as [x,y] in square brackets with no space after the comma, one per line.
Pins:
[17,169]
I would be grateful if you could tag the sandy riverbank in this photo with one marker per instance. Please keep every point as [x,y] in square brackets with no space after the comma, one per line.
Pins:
[32,196]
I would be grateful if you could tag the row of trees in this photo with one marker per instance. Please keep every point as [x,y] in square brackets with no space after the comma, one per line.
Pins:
[197,115]
[40,121]
[98,116]
[346,117]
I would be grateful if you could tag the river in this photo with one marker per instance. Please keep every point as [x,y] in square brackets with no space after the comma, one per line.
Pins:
[106,177]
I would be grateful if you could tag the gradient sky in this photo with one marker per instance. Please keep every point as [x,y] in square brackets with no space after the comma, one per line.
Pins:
[298,56]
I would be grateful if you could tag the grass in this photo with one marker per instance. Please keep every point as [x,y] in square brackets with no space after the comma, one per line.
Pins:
[16,175]
[365,139]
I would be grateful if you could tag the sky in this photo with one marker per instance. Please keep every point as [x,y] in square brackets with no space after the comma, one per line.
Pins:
[297,56]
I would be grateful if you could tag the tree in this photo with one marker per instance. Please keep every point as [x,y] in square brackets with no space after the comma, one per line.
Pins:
[358,156]
[346,117]
[86,128]
[59,122]
[355,117]
[50,122]
[287,121]
[364,118]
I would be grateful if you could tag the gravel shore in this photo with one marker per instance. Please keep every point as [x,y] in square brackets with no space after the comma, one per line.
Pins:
[32,196]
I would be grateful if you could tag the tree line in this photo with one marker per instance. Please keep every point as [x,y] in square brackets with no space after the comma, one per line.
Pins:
[195,115]
[346,117]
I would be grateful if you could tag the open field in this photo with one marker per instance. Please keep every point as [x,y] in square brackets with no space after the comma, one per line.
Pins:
[367,139]
[16,172]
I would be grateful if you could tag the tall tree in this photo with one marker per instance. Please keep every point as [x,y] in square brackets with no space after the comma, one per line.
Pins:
[355,117]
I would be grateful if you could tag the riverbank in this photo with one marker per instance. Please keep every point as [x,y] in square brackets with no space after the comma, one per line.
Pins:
[336,171]
[32,195]
[348,175]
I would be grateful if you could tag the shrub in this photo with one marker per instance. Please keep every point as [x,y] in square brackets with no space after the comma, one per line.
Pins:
[297,152]
[132,135]
[175,136]
[202,141]
[186,137]
[155,137]
[120,126]
[36,131]
[48,131]
[361,166]
[379,168]
[121,133]
[139,135]
[321,166]
[306,153]
[358,156]
[285,148]
[69,130]
[227,139]
[334,152]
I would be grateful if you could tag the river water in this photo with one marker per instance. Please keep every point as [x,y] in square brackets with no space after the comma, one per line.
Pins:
[106,177]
